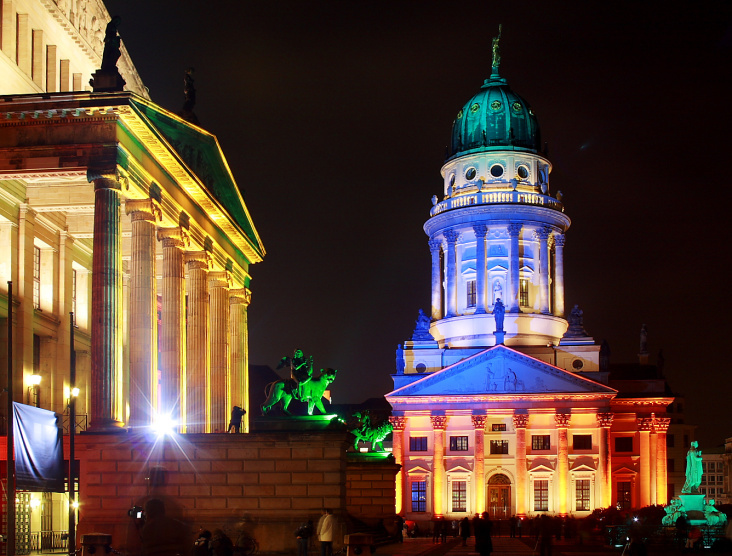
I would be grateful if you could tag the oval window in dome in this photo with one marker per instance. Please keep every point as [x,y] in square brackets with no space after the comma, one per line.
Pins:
[523,172]
[475,107]
[470,174]
[496,105]
[578,364]
[517,107]
[497,170]
[460,114]
[452,180]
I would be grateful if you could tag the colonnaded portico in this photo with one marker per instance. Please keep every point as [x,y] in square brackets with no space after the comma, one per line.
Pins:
[128,216]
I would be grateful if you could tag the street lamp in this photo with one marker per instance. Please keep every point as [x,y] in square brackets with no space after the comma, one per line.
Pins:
[34,391]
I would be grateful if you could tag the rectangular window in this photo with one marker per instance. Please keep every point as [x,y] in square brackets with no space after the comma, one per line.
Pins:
[498,427]
[669,441]
[582,442]
[670,465]
[472,296]
[720,466]
[36,277]
[459,496]
[583,495]
[541,442]
[418,443]
[499,446]
[524,292]
[623,495]
[458,443]
[624,444]
[419,496]
[541,496]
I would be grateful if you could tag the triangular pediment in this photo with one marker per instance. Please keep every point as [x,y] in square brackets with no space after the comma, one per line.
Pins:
[624,470]
[501,371]
[541,468]
[459,469]
[418,469]
[497,268]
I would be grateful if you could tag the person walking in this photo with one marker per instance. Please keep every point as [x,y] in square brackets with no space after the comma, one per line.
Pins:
[465,530]
[326,525]
[482,532]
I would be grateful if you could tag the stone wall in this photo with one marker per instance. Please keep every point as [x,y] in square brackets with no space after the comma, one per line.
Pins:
[266,483]
[370,487]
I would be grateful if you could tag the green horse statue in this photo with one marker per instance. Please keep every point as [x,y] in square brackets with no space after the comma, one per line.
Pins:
[284,391]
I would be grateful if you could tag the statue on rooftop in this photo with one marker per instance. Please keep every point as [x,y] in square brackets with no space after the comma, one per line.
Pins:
[693,469]
[301,371]
[112,50]
[422,328]
[311,393]
[576,327]
[495,48]
[366,431]
[499,311]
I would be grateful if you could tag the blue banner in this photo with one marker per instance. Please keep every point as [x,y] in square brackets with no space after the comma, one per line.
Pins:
[38,449]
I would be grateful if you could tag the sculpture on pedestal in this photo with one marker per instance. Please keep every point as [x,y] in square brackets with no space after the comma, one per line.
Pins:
[112,50]
[422,328]
[366,431]
[309,391]
[693,469]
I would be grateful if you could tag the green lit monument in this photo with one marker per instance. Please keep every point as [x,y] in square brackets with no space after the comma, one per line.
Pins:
[366,431]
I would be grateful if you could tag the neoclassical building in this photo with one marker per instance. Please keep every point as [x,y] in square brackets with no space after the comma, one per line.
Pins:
[508,407]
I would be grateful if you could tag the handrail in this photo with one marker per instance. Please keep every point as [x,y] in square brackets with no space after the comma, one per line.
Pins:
[497,198]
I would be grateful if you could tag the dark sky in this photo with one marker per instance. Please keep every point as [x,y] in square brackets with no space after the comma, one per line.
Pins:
[334,117]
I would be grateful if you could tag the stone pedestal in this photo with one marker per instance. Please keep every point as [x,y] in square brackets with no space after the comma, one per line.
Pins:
[106,82]
[500,336]
[693,505]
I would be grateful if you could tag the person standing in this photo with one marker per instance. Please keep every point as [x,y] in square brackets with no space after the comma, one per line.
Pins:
[303,534]
[482,532]
[325,532]
[465,530]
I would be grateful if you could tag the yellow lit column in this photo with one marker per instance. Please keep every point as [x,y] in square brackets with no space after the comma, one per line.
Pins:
[661,424]
[543,235]
[106,337]
[652,463]
[604,467]
[398,422]
[520,422]
[143,347]
[479,425]
[645,425]
[559,274]
[239,353]
[435,246]
[172,331]
[219,386]
[438,484]
[197,347]
[562,421]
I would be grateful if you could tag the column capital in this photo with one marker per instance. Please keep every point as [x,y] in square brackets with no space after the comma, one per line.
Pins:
[103,172]
[439,422]
[240,296]
[514,229]
[143,209]
[435,245]
[173,237]
[559,240]
[605,420]
[479,421]
[480,230]
[543,233]
[661,424]
[562,420]
[520,420]
[645,424]
[451,236]
[197,260]
[220,279]
[398,422]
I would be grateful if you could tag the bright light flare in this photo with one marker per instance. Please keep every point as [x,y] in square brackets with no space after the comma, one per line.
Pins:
[164,425]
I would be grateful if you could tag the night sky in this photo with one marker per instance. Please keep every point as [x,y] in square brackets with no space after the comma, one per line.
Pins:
[334,118]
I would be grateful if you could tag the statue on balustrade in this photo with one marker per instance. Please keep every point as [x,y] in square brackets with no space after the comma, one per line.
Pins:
[499,312]
[301,371]
[365,431]
[112,50]
[693,469]
[422,328]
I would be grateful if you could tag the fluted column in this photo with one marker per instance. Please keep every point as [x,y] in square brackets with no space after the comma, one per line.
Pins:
[661,424]
[439,423]
[106,337]
[451,236]
[435,246]
[480,267]
[239,350]
[559,274]
[399,422]
[219,386]
[197,341]
[173,332]
[520,422]
[645,425]
[562,421]
[479,426]
[514,286]
[543,235]
[143,346]
[604,467]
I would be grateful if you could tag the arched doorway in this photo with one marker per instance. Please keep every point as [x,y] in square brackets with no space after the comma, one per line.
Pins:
[499,497]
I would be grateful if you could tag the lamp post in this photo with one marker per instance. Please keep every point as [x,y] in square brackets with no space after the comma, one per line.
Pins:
[34,391]
[73,393]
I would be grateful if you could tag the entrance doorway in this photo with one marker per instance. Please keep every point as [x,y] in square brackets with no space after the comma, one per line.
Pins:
[499,497]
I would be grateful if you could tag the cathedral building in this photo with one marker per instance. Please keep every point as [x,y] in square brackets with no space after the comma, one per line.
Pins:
[502,402]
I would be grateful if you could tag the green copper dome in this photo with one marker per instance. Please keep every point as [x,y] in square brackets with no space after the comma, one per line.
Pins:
[495,118]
